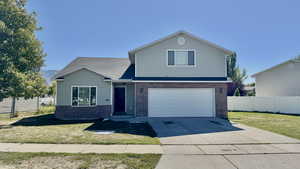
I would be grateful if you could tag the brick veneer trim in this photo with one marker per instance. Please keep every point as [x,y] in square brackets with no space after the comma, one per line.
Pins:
[83,113]
[141,93]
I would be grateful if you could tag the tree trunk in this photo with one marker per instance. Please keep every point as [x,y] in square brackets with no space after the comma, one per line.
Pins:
[38,104]
[13,108]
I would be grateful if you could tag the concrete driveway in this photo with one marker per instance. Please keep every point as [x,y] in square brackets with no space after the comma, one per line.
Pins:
[212,143]
[211,131]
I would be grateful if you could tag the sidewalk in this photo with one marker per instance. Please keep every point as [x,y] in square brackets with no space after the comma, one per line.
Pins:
[81,148]
[229,149]
[230,156]
[241,149]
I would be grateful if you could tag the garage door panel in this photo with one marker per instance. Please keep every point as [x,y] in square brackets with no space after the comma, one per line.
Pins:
[181,102]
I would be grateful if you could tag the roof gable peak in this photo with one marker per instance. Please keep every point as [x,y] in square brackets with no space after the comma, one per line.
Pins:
[176,34]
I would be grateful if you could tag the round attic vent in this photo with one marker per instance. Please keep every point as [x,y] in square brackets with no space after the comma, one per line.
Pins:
[181,40]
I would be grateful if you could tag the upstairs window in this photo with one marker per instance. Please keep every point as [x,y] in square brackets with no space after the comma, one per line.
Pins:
[181,58]
[83,96]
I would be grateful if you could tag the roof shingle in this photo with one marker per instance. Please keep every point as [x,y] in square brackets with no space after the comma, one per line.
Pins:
[113,68]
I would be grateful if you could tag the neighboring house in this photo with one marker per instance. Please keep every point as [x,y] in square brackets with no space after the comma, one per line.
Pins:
[280,80]
[177,76]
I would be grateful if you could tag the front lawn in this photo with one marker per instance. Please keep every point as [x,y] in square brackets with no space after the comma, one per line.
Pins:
[288,125]
[44,128]
[77,161]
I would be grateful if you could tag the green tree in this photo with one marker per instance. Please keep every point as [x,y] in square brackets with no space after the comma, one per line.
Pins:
[237,75]
[231,65]
[237,92]
[35,87]
[251,93]
[21,53]
[52,89]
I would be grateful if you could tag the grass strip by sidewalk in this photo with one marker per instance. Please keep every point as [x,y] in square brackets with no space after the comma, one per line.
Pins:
[78,161]
[288,125]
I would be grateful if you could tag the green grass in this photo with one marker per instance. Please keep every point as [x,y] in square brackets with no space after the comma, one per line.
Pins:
[288,125]
[79,161]
[44,128]
[45,110]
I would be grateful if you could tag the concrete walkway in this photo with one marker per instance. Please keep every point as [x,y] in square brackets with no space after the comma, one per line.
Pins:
[255,161]
[209,131]
[237,149]
[81,148]
[240,149]
[212,143]
[236,156]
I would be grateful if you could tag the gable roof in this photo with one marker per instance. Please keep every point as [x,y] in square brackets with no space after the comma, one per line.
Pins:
[296,59]
[112,68]
[132,52]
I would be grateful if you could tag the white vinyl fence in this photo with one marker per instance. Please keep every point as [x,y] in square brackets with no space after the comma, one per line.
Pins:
[282,104]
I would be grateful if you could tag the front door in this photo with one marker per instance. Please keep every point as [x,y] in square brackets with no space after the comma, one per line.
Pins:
[119,100]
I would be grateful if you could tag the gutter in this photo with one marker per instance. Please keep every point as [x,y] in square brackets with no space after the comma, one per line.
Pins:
[165,81]
[169,81]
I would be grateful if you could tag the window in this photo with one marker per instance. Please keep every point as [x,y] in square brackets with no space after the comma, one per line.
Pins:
[181,57]
[83,96]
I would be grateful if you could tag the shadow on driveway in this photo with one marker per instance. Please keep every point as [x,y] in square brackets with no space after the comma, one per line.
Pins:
[168,127]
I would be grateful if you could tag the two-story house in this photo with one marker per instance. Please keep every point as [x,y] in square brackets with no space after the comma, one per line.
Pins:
[180,75]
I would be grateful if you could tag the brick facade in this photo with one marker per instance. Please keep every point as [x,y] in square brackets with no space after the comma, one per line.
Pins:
[82,113]
[141,91]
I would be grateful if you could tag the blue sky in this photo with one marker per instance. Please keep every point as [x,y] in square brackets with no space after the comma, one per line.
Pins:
[263,33]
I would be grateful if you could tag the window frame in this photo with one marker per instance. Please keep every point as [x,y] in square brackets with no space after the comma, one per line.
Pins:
[82,86]
[180,50]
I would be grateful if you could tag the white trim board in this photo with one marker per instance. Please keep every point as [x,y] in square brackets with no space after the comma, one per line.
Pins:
[77,70]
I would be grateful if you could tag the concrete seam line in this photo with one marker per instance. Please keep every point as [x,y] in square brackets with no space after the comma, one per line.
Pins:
[198,147]
[230,162]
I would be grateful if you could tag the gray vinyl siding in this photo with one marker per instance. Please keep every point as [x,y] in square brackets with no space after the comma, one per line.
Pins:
[152,61]
[281,81]
[86,78]
[130,99]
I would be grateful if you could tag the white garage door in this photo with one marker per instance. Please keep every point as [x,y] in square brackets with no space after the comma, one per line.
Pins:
[181,102]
